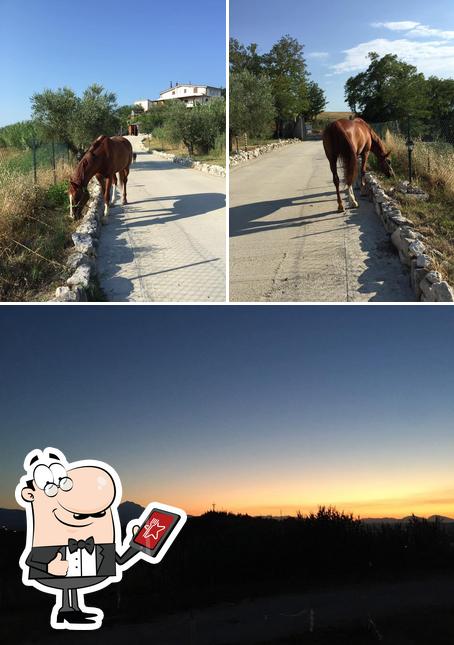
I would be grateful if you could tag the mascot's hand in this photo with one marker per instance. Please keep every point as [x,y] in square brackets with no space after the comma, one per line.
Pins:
[58,566]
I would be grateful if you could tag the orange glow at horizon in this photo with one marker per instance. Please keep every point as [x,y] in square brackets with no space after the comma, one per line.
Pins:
[385,501]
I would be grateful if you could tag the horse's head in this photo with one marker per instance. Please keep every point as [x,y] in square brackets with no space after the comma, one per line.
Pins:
[78,197]
[385,164]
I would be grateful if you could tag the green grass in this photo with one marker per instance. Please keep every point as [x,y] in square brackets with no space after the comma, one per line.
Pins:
[434,219]
[35,229]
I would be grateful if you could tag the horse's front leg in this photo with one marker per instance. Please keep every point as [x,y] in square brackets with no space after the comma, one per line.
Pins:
[108,186]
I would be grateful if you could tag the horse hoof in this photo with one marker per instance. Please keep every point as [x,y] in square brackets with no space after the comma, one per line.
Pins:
[340,209]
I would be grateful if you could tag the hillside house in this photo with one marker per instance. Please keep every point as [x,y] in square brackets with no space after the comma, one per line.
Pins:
[185,92]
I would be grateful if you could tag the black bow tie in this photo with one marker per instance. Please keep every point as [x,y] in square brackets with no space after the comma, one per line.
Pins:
[88,544]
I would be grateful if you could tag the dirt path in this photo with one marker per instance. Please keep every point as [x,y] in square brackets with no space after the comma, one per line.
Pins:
[289,243]
[168,243]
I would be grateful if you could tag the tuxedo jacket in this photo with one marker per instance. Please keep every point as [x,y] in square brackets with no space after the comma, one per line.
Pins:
[106,560]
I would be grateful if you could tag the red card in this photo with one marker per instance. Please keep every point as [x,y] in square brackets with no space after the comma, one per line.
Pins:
[154,530]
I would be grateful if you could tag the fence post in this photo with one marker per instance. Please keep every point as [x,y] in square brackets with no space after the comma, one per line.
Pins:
[53,162]
[410,145]
[34,159]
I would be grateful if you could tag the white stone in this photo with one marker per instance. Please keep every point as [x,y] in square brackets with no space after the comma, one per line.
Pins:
[422,261]
[80,277]
[65,294]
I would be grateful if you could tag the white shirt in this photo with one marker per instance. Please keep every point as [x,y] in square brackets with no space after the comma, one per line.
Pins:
[81,563]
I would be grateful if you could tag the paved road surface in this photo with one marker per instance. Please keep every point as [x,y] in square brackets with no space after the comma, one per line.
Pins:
[269,619]
[168,243]
[289,243]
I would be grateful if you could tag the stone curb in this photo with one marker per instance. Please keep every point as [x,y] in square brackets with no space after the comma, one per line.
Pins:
[82,259]
[243,156]
[212,169]
[414,253]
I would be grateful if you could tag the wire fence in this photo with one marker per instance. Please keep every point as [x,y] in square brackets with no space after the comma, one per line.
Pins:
[46,156]
[439,131]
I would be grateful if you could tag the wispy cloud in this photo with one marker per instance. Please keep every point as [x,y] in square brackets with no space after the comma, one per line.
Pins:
[318,55]
[415,29]
[404,25]
[430,57]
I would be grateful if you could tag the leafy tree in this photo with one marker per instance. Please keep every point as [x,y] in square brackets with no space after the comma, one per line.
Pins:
[286,68]
[63,116]
[55,113]
[440,92]
[96,114]
[19,135]
[154,118]
[251,104]
[196,127]
[124,115]
[245,58]
[317,100]
[389,90]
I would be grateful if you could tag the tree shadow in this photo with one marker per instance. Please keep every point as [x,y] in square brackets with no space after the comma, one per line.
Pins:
[115,253]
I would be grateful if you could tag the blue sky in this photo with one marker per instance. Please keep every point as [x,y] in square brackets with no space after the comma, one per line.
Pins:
[258,409]
[338,35]
[133,49]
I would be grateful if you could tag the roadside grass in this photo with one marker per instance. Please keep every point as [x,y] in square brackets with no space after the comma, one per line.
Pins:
[216,156]
[35,231]
[433,166]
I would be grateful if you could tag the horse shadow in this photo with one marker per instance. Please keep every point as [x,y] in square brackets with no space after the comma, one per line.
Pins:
[114,250]
[183,206]
[248,218]
[385,279]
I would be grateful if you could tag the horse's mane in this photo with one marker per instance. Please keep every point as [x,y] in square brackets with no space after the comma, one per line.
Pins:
[377,143]
[79,173]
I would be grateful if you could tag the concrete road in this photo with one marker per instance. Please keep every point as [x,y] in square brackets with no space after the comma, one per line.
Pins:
[168,243]
[289,243]
[268,619]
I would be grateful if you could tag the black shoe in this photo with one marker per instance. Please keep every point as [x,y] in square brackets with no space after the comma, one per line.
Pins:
[74,617]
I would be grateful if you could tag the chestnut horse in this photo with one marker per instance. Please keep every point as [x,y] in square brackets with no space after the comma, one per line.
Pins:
[349,139]
[105,157]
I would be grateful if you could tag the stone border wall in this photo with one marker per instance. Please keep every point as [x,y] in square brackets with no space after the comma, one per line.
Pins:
[188,162]
[82,259]
[427,283]
[243,156]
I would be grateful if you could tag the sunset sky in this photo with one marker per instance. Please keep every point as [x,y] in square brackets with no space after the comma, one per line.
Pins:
[256,409]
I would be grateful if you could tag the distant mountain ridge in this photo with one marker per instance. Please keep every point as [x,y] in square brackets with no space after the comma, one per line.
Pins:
[14,519]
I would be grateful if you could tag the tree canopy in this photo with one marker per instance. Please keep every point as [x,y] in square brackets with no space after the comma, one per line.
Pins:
[63,116]
[284,73]
[388,90]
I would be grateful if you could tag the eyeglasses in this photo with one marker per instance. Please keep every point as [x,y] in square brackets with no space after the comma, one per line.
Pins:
[51,488]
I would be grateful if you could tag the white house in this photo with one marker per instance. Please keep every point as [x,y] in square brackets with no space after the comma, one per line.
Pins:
[185,92]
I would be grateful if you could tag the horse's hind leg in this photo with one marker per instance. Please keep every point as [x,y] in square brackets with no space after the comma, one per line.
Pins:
[352,198]
[364,158]
[125,173]
[114,186]
[333,166]
[107,196]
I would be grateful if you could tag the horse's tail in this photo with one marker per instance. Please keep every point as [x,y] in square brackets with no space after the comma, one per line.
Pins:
[342,147]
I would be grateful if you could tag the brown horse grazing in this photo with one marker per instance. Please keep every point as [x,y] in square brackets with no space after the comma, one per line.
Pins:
[105,157]
[349,139]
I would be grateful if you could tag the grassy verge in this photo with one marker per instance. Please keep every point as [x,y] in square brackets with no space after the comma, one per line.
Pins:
[212,157]
[433,172]
[35,232]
